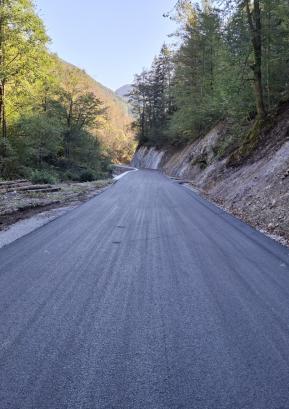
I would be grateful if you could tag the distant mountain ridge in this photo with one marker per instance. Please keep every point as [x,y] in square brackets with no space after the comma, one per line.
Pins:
[124,91]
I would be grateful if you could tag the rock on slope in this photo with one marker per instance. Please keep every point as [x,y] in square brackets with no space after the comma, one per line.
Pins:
[256,191]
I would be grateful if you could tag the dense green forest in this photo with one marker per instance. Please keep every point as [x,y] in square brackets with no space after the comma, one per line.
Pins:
[229,61]
[55,121]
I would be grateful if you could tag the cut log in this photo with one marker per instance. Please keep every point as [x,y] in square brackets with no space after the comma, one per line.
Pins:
[13,182]
[33,187]
[44,190]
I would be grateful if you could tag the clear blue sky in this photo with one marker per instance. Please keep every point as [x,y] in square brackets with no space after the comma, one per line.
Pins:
[111,40]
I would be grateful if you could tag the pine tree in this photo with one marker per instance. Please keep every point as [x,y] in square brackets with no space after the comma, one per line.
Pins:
[152,99]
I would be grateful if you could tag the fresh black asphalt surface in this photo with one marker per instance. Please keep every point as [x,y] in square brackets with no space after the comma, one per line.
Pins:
[146,297]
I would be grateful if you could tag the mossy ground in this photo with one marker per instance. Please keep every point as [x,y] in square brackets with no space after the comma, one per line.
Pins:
[251,140]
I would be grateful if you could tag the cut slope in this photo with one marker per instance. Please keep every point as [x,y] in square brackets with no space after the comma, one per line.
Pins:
[257,190]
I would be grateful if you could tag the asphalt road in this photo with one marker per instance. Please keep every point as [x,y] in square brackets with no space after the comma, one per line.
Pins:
[146,297]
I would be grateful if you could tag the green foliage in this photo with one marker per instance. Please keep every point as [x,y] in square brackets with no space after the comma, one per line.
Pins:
[43,176]
[37,139]
[9,166]
[231,62]
[22,52]
[87,176]
[60,132]
[112,126]
[152,99]
[55,121]
[250,141]
[198,97]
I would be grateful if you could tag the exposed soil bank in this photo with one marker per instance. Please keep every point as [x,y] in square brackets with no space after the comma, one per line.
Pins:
[257,190]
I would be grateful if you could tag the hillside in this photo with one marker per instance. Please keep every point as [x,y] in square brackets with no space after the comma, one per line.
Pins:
[214,109]
[254,188]
[57,123]
[116,135]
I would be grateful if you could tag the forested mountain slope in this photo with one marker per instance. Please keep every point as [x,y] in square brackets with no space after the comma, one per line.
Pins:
[115,135]
[214,109]
[56,122]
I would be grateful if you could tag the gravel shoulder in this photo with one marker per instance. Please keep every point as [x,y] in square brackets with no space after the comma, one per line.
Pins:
[25,207]
[22,211]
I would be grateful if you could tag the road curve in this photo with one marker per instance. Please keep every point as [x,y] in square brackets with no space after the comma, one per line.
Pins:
[146,297]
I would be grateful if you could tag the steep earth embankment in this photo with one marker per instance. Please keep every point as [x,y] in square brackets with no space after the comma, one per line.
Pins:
[256,191]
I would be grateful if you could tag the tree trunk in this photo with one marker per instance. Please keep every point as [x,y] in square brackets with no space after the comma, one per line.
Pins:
[67,144]
[268,51]
[255,25]
[3,123]
[67,134]
[3,111]
[2,89]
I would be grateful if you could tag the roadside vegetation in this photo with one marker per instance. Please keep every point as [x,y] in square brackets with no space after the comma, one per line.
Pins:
[56,123]
[229,63]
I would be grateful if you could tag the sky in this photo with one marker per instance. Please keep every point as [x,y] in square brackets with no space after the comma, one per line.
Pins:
[112,40]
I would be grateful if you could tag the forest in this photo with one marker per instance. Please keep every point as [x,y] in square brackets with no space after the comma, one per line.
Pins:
[228,61]
[56,123]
